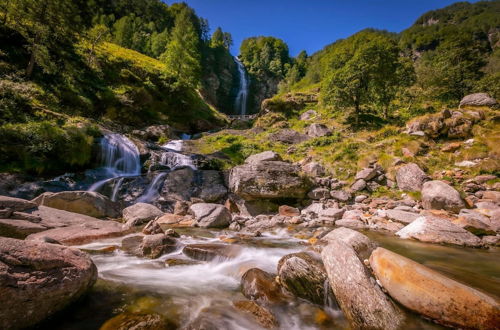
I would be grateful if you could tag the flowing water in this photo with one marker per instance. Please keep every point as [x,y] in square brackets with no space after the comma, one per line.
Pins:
[242,96]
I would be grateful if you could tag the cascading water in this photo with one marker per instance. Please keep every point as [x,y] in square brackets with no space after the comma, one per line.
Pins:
[152,191]
[119,158]
[241,98]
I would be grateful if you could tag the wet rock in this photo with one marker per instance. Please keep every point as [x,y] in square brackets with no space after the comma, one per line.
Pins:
[318,130]
[265,156]
[172,233]
[341,195]
[361,244]
[303,275]
[222,317]
[211,215]
[441,196]
[410,177]
[152,228]
[358,185]
[16,204]
[178,184]
[478,99]
[137,321]
[131,244]
[207,252]
[169,219]
[319,193]
[364,304]
[261,286]
[154,246]
[262,315]
[434,229]
[174,262]
[137,214]
[84,202]
[475,222]
[401,216]
[432,294]
[288,211]
[38,279]
[19,228]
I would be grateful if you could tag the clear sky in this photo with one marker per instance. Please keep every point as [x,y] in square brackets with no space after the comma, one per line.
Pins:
[309,24]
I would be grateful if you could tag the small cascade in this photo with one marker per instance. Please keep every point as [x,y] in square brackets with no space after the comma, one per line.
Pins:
[241,98]
[153,190]
[173,158]
[119,158]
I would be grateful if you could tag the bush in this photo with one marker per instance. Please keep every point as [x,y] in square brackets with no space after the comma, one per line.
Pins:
[15,101]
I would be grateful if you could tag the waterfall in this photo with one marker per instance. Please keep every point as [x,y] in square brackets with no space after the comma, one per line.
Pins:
[119,157]
[152,191]
[241,98]
[173,158]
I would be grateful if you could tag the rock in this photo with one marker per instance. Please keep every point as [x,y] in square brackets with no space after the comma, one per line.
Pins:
[318,130]
[39,279]
[181,208]
[288,211]
[360,198]
[268,180]
[152,228]
[179,184]
[341,195]
[137,214]
[401,216]
[262,315]
[136,321]
[154,246]
[263,157]
[211,215]
[207,252]
[434,229]
[319,193]
[308,115]
[493,195]
[410,177]
[432,294]
[314,208]
[491,240]
[169,219]
[304,275]
[131,244]
[440,196]
[288,136]
[25,216]
[358,185]
[212,188]
[367,174]
[314,169]
[451,147]
[331,214]
[222,317]
[84,202]
[364,304]
[361,244]
[19,228]
[16,204]
[478,99]
[260,286]
[475,222]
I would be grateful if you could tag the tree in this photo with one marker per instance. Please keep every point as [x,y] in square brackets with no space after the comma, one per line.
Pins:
[182,56]
[96,35]
[217,39]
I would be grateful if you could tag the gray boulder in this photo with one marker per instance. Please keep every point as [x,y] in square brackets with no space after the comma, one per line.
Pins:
[212,187]
[288,136]
[137,214]
[438,195]
[263,156]
[410,177]
[358,185]
[308,115]
[319,193]
[341,195]
[211,215]
[367,174]
[478,99]
[318,130]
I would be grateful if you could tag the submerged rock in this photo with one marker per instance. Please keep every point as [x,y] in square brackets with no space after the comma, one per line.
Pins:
[438,195]
[260,286]
[38,279]
[262,315]
[140,213]
[136,321]
[432,294]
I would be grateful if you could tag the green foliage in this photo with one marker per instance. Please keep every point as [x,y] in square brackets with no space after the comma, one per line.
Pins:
[15,101]
[265,56]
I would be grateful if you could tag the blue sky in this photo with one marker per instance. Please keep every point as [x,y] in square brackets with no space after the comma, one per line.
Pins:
[310,24]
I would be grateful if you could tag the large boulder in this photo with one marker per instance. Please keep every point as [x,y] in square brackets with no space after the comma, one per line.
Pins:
[362,245]
[211,188]
[433,229]
[84,202]
[137,214]
[478,99]
[410,177]
[178,184]
[438,195]
[211,215]
[268,180]
[318,130]
[39,279]
[433,295]
[364,304]
[16,204]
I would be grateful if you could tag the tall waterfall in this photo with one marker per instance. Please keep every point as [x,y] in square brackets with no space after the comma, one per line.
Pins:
[119,157]
[241,98]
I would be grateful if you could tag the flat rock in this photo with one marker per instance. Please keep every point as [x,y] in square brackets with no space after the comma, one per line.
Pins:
[434,229]
[401,216]
[207,252]
[366,174]
[16,204]
[438,195]
[19,228]
[39,279]
[432,294]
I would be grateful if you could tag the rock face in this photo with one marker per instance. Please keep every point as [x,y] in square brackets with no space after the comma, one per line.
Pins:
[362,301]
[260,286]
[478,99]
[318,130]
[16,204]
[268,180]
[211,215]
[38,279]
[438,195]
[304,275]
[140,213]
[433,295]
[84,202]
[410,177]
[438,230]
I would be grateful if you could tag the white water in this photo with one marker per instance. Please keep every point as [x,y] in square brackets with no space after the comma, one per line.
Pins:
[173,157]
[241,98]
[119,158]
[153,190]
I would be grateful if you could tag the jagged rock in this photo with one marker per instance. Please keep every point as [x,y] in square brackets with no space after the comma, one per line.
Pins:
[410,177]
[441,196]
[434,229]
[16,204]
[84,202]
[341,195]
[263,157]
[262,315]
[19,228]
[289,211]
[260,286]
[314,169]
[433,295]
[211,215]
[319,193]
[358,185]
[364,304]
[367,174]
[288,136]
[152,228]
[207,252]
[268,180]
[318,130]
[137,214]
[478,99]
[39,279]
[304,275]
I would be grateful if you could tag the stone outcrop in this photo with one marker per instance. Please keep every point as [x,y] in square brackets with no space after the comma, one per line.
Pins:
[38,279]
[438,195]
[140,213]
[432,294]
[478,99]
[211,215]
[410,177]
[16,204]
[84,202]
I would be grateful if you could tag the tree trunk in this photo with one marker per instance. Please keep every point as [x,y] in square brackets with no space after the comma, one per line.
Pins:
[31,63]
